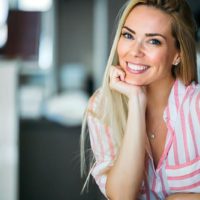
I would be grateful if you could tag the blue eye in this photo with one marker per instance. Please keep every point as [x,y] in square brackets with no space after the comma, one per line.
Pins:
[155,42]
[127,35]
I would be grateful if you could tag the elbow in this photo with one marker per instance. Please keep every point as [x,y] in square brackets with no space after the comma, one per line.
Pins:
[113,194]
[111,191]
[115,191]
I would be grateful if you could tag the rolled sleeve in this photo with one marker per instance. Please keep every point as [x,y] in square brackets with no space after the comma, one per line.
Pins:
[103,149]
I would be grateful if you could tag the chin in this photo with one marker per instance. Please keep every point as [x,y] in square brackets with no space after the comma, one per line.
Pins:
[132,81]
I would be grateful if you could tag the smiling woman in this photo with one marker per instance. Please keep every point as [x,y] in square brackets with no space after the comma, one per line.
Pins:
[144,121]
[146,48]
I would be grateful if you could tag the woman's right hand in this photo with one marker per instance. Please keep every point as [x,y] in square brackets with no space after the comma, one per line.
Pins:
[118,83]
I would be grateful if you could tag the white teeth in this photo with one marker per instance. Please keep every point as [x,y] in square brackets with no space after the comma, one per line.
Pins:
[137,67]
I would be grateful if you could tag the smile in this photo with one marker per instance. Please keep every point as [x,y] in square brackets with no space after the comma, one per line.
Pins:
[136,69]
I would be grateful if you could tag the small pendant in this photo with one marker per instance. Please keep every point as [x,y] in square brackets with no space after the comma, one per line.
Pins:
[152,136]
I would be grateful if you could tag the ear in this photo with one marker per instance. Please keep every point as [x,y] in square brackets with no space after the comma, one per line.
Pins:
[177,59]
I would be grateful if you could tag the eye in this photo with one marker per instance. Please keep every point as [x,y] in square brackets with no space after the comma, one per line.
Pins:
[127,35]
[155,42]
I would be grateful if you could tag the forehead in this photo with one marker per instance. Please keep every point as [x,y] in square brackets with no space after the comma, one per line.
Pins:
[149,19]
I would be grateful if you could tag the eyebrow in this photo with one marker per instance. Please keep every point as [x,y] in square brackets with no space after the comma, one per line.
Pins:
[147,34]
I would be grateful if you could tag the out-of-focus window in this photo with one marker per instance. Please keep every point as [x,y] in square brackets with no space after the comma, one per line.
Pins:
[3,25]
[34,5]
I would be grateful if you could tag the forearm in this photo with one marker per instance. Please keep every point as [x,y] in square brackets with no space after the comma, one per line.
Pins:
[184,196]
[128,169]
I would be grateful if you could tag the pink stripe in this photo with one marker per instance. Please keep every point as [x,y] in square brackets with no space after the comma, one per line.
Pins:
[184,165]
[99,141]
[154,183]
[198,107]
[176,158]
[92,139]
[154,187]
[176,95]
[167,162]
[166,150]
[193,136]
[184,176]
[93,143]
[188,187]
[175,148]
[110,143]
[162,184]
[163,155]
[183,125]
[192,129]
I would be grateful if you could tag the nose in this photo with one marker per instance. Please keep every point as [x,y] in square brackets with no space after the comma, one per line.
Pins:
[137,49]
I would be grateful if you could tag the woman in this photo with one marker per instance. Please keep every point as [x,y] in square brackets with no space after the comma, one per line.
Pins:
[144,121]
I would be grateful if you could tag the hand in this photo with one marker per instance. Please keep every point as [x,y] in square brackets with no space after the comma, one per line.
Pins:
[117,83]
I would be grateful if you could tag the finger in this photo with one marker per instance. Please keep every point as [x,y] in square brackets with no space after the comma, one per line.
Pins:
[122,76]
[117,74]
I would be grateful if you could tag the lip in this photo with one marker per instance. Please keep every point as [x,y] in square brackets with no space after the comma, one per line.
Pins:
[136,68]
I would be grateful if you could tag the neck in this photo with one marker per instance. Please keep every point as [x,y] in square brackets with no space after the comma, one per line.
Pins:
[158,94]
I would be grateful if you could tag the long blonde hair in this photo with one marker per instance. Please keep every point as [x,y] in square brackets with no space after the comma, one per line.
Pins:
[112,108]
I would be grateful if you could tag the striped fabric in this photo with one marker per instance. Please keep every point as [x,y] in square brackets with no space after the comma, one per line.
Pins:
[178,170]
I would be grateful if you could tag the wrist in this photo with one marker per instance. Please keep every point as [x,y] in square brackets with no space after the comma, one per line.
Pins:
[135,102]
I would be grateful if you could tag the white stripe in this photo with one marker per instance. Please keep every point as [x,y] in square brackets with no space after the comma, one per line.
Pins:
[105,142]
[170,158]
[93,137]
[180,141]
[189,139]
[99,168]
[193,190]
[185,182]
[195,121]
[183,170]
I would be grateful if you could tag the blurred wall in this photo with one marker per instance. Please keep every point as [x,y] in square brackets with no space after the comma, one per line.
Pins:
[74,32]
[8,131]
[75,25]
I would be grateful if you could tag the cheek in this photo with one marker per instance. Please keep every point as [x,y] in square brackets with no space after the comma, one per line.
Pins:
[158,57]
[121,49]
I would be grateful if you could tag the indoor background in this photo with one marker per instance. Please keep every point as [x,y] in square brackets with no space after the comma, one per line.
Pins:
[52,57]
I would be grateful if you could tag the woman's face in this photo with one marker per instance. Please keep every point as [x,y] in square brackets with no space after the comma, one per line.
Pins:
[146,48]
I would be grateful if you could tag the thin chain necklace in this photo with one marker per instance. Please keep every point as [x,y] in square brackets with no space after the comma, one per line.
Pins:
[152,134]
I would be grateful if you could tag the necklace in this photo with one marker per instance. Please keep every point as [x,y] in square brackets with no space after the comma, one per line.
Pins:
[152,134]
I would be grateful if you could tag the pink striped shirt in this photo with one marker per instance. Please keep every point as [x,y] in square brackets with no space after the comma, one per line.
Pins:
[179,167]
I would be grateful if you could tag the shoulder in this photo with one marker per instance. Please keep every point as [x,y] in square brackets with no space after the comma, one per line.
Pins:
[94,102]
[196,87]
[184,98]
[191,100]
[186,93]
[193,92]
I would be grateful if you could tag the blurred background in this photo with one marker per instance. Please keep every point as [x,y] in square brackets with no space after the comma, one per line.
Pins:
[52,57]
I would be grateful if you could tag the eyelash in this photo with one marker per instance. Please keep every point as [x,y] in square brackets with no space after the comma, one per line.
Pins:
[129,36]
[155,42]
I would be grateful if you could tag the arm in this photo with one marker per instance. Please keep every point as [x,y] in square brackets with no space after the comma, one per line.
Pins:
[182,196]
[127,171]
